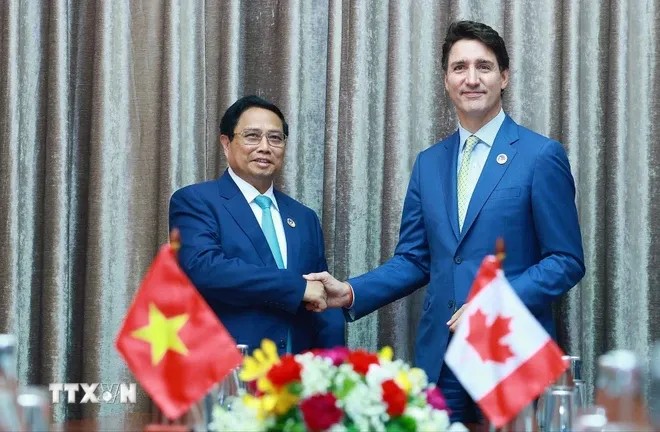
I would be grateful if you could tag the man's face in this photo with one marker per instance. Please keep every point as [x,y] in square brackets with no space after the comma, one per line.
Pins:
[474,82]
[257,164]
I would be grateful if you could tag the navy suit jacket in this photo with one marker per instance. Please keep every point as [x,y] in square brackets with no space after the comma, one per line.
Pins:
[529,201]
[225,254]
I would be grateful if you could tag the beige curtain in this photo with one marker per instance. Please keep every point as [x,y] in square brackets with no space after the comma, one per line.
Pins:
[106,107]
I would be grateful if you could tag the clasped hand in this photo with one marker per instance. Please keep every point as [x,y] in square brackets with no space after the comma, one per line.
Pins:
[324,291]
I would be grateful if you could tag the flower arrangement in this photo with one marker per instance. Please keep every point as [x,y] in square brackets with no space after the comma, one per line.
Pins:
[333,390]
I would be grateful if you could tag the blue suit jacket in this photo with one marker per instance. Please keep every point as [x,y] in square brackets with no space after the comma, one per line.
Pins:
[227,257]
[529,201]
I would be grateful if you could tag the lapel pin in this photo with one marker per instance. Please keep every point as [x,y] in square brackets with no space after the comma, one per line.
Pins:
[501,158]
[291,222]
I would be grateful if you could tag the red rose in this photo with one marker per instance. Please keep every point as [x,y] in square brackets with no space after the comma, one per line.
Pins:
[320,412]
[286,371]
[394,398]
[361,360]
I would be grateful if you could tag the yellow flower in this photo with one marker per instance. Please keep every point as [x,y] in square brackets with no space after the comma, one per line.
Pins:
[276,403]
[386,353]
[403,381]
[258,365]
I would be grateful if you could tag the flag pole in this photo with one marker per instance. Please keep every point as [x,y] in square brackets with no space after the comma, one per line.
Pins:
[175,240]
[499,249]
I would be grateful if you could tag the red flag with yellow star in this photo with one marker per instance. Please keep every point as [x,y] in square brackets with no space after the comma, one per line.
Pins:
[172,340]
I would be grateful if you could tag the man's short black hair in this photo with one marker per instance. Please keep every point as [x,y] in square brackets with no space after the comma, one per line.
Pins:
[233,113]
[472,30]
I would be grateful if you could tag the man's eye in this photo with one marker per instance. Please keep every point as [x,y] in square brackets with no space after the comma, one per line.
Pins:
[252,136]
[275,138]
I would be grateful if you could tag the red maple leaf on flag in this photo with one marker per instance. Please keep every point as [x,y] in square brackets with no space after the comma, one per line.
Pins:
[486,339]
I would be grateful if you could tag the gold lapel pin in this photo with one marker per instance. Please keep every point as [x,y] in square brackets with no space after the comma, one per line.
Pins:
[291,222]
[501,158]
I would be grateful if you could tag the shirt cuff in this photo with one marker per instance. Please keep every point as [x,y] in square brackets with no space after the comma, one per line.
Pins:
[352,297]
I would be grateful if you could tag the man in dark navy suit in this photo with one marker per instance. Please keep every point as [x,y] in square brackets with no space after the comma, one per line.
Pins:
[246,245]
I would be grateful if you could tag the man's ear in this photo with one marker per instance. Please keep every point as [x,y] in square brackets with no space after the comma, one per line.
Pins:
[505,78]
[224,140]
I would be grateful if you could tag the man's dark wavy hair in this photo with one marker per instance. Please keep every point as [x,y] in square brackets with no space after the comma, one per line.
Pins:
[472,30]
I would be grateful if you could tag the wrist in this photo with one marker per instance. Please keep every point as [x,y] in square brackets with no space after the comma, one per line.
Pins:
[349,297]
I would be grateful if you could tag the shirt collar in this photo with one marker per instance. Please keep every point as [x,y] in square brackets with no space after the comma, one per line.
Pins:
[249,191]
[486,133]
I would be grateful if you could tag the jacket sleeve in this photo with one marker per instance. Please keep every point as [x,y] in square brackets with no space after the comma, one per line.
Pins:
[407,270]
[226,279]
[557,229]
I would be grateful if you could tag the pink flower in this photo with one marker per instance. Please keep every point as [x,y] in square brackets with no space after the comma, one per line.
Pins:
[435,398]
[320,412]
[338,355]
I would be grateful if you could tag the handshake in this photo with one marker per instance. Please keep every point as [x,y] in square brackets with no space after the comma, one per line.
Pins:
[324,291]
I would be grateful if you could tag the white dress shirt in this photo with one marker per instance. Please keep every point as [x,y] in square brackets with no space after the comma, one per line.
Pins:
[250,193]
[481,150]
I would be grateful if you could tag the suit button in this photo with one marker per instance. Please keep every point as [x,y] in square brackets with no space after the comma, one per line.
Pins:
[458,259]
[450,304]
[282,344]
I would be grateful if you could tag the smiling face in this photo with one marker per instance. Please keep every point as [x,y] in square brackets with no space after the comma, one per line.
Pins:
[256,164]
[474,83]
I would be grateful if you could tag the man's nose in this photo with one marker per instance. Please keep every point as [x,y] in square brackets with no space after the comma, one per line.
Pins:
[264,145]
[472,77]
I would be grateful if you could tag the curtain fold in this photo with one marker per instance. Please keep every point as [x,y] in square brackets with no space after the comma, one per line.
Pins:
[108,107]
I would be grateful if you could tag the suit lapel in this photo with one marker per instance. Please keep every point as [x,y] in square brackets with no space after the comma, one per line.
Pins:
[291,232]
[242,214]
[447,167]
[493,171]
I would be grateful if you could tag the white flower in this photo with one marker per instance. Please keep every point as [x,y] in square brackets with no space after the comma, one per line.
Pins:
[337,428]
[365,407]
[427,418]
[240,418]
[457,427]
[418,380]
[317,373]
[377,375]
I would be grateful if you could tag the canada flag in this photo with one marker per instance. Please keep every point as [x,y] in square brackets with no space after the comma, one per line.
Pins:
[501,355]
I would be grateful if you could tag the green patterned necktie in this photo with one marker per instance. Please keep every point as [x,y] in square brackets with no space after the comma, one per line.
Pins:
[462,185]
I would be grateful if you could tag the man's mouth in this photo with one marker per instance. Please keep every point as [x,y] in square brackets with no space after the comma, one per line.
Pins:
[261,161]
[473,94]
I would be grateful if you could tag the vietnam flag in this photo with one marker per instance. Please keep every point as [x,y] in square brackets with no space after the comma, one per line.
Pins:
[171,339]
[500,353]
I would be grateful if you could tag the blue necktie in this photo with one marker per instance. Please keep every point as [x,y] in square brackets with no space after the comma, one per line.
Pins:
[268,227]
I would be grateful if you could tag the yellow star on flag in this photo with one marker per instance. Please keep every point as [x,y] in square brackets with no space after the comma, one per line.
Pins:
[162,334]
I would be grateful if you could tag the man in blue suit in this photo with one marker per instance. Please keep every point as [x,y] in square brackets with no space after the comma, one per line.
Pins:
[245,245]
[491,178]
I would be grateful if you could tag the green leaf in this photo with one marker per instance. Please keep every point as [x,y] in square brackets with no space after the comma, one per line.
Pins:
[401,424]
[345,389]
[295,388]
